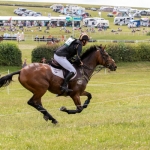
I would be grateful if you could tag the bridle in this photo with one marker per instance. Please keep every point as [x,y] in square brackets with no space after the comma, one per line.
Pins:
[83,67]
[84,74]
[104,57]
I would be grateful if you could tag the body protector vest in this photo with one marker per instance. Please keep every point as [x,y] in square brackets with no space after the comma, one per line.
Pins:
[71,48]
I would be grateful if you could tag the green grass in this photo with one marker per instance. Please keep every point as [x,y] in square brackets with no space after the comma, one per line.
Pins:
[117,117]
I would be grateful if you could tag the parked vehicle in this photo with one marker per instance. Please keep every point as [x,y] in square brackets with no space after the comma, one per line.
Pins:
[134,23]
[144,22]
[122,20]
[20,9]
[143,13]
[20,13]
[106,9]
[94,9]
[32,13]
[17,11]
[137,15]
[39,13]
[110,15]
[56,8]
[28,11]
[91,21]
[102,23]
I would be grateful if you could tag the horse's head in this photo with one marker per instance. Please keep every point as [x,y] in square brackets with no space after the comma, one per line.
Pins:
[105,59]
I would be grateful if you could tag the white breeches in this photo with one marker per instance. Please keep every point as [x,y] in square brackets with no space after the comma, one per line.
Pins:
[65,63]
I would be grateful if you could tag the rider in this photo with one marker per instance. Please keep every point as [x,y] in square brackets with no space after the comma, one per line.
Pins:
[64,53]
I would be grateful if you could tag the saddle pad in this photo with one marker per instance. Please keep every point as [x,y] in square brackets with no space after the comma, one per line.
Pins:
[59,72]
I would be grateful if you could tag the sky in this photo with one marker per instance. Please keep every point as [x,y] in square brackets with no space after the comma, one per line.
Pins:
[130,3]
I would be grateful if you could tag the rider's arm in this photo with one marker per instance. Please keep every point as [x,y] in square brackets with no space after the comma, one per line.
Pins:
[79,50]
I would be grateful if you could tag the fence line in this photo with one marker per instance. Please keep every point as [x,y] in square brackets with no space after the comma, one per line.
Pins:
[28,37]
[102,40]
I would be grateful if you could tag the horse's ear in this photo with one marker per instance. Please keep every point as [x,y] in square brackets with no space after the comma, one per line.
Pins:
[104,47]
[100,46]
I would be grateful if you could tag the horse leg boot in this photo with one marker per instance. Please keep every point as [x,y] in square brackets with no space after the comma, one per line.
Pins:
[66,80]
[46,114]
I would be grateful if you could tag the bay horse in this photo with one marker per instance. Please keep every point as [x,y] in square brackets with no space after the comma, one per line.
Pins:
[38,78]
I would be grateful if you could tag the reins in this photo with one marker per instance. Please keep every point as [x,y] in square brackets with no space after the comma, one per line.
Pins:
[89,77]
[99,69]
[85,75]
[86,67]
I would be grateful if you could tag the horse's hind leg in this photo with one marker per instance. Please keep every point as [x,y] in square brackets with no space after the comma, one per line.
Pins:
[36,103]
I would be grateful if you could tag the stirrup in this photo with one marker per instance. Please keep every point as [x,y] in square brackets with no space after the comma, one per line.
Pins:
[65,89]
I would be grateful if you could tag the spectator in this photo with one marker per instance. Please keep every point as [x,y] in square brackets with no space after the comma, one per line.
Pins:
[18,37]
[62,38]
[50,36]
[36,37]
[53,41]
[133,31]
[24,63]
[43,60]
[40,28]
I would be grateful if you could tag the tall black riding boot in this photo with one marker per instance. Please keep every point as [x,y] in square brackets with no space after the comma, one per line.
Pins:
[66,80]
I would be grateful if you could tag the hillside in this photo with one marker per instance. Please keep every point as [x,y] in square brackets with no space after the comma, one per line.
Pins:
[126,34]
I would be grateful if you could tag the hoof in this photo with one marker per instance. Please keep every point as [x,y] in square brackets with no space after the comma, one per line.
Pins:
[46,118]
[85,106]
[54,121]
[63,108]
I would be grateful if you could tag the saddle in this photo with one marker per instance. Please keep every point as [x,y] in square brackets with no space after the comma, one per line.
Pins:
[55,64]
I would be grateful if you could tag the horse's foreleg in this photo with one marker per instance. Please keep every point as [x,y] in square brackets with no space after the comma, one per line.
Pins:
[76,99]
[89,96]
[78,110]
[40,108]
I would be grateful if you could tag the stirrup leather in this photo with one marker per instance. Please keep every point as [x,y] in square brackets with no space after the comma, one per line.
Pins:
[65,89]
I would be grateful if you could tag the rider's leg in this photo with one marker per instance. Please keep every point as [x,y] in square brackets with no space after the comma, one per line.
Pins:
[66,80]
[68,66]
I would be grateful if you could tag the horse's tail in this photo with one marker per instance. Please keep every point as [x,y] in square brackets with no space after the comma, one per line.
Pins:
[5,80]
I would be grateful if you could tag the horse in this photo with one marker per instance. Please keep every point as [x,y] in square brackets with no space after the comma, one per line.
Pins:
[38,78]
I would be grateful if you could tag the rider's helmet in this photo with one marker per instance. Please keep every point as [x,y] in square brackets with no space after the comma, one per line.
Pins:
[84,36]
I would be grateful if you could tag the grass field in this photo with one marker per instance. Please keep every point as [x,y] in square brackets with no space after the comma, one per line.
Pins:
[117,118]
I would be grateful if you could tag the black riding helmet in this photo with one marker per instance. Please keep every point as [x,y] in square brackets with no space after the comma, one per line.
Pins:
[84,36]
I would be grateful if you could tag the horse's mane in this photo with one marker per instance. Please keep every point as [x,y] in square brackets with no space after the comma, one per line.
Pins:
[88,51]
